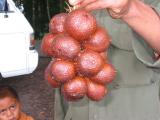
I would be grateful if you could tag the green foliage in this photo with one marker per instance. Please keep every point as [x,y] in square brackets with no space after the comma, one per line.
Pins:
[39,13]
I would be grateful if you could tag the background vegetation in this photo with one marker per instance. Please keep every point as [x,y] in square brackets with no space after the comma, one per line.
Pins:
[39,13]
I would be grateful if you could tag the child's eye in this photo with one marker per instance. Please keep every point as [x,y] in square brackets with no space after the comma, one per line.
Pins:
[12,107]
[2,111]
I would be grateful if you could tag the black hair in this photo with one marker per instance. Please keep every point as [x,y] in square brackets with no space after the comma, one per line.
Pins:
[6,90]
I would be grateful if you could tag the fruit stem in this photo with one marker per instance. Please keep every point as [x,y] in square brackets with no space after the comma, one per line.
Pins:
[70,8]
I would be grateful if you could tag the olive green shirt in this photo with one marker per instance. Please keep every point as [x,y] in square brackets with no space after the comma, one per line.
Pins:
[134,94]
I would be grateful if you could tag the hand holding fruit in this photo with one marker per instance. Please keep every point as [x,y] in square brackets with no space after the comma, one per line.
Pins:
[116,8]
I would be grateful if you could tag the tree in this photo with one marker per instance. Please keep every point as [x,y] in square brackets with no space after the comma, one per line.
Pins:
[39,13]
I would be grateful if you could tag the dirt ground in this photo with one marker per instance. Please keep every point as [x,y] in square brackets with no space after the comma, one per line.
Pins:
[36,94]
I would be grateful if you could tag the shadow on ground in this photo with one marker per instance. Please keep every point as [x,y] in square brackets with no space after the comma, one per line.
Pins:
[36,94]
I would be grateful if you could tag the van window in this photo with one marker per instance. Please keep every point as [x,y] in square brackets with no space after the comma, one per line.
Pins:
[5,7]
[2,4]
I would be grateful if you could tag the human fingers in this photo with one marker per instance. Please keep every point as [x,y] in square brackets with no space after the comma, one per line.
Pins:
[74,2]
[98,4]
[111,4]
[84,3]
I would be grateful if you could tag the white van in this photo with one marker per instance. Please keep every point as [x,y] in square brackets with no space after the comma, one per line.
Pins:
[17,54]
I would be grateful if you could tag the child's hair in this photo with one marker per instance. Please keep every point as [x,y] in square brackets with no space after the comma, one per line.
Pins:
[6,90]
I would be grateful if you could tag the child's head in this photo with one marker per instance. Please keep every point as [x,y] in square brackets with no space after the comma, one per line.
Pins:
[9,103]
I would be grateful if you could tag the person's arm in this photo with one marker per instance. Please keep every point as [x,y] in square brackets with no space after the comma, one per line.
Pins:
[145,21]
[139,16]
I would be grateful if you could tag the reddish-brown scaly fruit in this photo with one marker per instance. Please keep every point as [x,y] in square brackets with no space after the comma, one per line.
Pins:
[50,78]
[46,44]
[65,47]
[99,41]
[104,56]
[105,75]
[63,70]
[89,62]
[56,24]
[95,91]
[74,89]
[80,24]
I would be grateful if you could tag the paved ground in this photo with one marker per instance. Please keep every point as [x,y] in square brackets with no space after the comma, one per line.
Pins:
[36,94]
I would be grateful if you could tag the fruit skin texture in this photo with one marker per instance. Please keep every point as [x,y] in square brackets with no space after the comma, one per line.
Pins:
[105,75]
[80,24]
[95,91]
[78,47]
[46,44]
[56,24]
[74,89]
[89,62]
[104,56]
[99,41]
[50,78]
[63,70]
[65,47]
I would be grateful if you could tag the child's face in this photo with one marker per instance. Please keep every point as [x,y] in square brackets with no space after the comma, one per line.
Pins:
[9,109]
